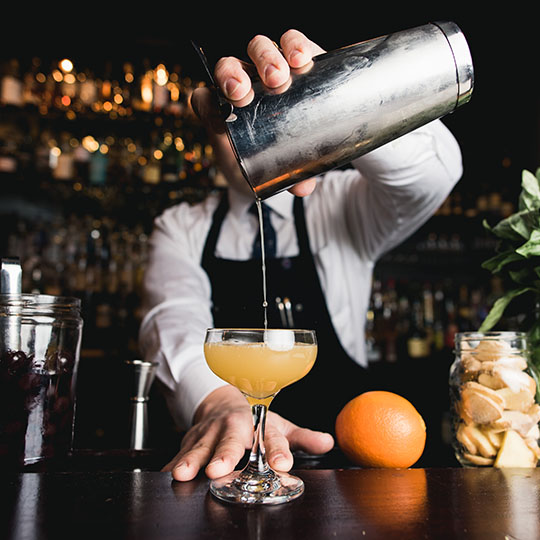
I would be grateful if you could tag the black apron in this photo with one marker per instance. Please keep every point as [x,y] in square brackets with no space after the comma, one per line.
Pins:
[237,298]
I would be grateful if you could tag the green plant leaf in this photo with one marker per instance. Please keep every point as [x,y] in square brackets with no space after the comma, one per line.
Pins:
[517,251]
[533,336]
[532,246]
[495,264]
[506,228]
[518,226]
[497,310]
[529,198]
[534,332]
[521,277]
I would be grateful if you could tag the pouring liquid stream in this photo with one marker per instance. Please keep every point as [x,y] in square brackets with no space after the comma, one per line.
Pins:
[263,262]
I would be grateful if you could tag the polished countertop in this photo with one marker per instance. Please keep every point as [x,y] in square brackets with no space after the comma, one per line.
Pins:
[137,503]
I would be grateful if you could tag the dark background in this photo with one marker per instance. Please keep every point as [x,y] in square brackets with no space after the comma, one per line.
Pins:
[500,123]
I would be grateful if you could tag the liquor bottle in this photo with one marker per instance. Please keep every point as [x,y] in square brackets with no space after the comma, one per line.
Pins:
[81,162]
[176,104]
[373,348]
[172,161]
[8,157]
[126,86]
[451,327]
[87,89]
[152,168]
[64,168]
[390,322]
[374,322]
[160,90]
[428,317]
[144,98]
[11,89]
[99,162]
[439,317]
[103,306]
[417,339]
[31,86]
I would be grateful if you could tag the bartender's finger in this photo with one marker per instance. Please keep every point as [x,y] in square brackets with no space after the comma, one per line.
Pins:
[233,79]
[229,451]
[196,451]
[205,106]
[298,49]
[304,188]
[187,464]
[278,452]
[184,470]
[271,65]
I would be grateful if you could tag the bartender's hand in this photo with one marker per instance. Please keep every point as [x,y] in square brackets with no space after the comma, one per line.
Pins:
[272,64]
[223,430]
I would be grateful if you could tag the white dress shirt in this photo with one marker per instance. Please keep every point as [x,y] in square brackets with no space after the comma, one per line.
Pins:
[352,218]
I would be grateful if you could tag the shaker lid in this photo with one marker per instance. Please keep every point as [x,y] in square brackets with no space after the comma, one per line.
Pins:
[462,58]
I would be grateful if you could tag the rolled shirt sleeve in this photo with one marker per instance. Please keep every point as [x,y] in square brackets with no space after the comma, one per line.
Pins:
[177,311]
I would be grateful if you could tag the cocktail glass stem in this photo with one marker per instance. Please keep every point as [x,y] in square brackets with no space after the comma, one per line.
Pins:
[257,459]
[257,476]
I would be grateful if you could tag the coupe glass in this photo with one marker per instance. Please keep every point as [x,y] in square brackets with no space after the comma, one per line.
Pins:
[259,362]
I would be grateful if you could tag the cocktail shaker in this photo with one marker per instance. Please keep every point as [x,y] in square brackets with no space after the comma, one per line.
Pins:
[347,103]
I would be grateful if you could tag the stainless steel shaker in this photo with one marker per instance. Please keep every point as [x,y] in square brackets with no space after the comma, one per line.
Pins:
[349,102]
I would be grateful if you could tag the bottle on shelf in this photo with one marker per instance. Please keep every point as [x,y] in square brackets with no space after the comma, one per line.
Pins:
[418,339]
[98,166]
[11,87]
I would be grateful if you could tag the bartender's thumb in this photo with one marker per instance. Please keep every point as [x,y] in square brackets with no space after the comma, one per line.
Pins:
[283,436]
[309,441]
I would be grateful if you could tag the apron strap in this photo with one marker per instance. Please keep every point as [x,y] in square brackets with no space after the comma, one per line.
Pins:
[300,224]
[215,228]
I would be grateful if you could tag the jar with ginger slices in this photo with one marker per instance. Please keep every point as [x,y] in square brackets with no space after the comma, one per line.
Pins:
[494,401]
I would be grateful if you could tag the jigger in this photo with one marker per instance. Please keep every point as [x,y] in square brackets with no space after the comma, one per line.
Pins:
[142,374]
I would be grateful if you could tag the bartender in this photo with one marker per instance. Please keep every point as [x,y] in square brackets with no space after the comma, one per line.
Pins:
[326,235]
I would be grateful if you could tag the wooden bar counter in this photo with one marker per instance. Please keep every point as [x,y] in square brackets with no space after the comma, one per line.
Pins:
[135,503]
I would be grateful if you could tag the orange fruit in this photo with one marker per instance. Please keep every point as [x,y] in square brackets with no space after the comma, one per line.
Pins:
[381,429]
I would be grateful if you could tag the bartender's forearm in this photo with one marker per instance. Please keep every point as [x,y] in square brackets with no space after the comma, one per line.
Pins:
[408,156]
[172,334]
[404,184]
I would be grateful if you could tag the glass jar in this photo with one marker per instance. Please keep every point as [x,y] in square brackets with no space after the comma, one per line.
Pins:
[494,401]
[40,338]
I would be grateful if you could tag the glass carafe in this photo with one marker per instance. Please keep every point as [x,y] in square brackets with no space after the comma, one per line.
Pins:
[40,339]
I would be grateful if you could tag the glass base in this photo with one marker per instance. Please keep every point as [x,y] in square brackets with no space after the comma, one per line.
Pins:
[271,488]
